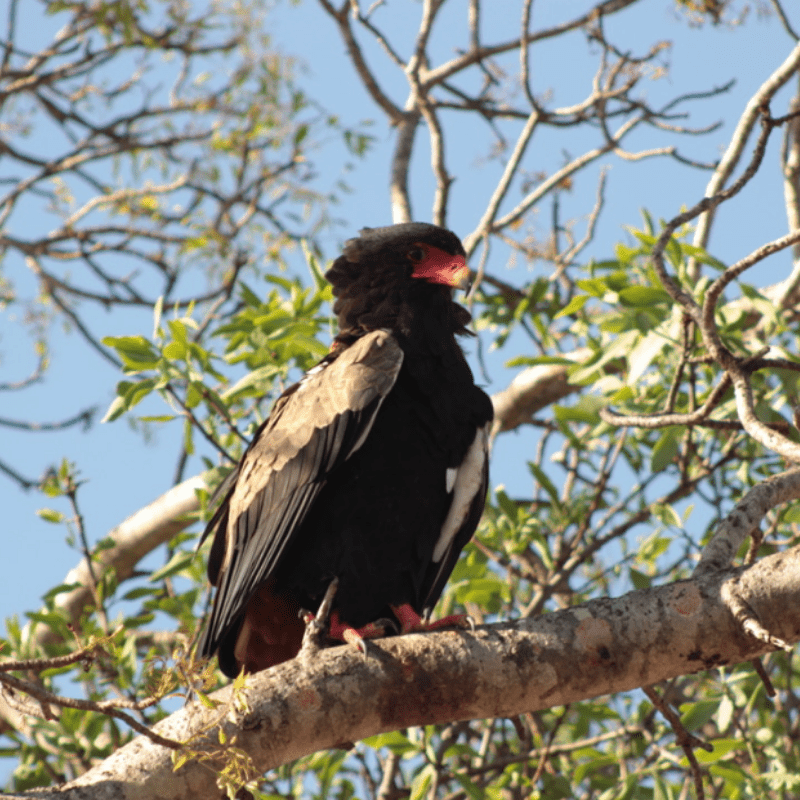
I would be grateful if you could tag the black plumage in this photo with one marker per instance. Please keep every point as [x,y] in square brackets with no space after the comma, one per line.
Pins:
[372,469]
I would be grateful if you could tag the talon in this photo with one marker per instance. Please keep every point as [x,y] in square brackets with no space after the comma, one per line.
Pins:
[463,621]
[357,637]
[352,637]
[388,626]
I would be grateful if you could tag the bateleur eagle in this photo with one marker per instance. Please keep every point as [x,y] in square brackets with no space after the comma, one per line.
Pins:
[372,469]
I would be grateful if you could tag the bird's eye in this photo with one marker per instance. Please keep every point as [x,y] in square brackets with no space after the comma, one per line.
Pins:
[417,254]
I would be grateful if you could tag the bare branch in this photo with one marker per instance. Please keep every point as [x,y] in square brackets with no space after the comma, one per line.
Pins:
[788,291]
[686,740]
[747,121]
[367,76]
[401,159]
[719,552]
[678,294]
[443,178]
[83,418]
[110,709]
[487,221]
[735,270]
[474,56]
[565,258]
[784,19]
[25,484]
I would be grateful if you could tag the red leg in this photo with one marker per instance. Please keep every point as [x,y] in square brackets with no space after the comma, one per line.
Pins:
[411,621]
[343,632]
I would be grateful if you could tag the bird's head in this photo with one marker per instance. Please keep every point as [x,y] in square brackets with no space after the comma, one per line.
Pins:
[385,270]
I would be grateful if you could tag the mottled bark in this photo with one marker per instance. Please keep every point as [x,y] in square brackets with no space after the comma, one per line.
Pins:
[336,696]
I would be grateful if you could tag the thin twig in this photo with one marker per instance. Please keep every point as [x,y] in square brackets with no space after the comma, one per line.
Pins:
[109,708]
[686,740]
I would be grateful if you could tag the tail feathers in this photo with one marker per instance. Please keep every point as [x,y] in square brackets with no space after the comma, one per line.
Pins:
[271,632]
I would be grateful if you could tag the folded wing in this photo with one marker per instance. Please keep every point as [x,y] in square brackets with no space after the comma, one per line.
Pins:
[315,426]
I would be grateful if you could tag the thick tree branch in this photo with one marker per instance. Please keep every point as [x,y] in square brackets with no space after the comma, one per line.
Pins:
[600,647]
[532,390]
[133,539]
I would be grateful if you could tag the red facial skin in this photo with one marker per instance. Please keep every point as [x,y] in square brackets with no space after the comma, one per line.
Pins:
[436,266]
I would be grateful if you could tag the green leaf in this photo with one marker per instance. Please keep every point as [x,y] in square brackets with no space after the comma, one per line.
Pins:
[533,361]
[60,589]
[484,592]
[258,378]
[395,741]
[178,331]
[50,515]
[471,789]
[586,409]
[136,352]
[158,310]
[667,515]
[722,747]
[639,579]
[574,305]
[175,351]
[188,437]
[422,782]
[643,354]
[138,391]
[179,758]
[545,483]
[141,591]
[194,394]
[643,296]
[117,408]
[596,287]
[666,449]
[179,561]
[695,715]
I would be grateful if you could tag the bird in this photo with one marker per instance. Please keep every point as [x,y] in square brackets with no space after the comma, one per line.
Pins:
[370,471]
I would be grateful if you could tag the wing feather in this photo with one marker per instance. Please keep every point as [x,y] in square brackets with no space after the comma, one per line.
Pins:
[468,486]
[315,426]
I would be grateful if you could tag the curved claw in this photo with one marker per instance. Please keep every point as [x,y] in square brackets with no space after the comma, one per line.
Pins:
[389,626]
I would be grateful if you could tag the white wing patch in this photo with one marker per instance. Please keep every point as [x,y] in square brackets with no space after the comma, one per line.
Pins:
[303,384]
[450,478]
[465,482]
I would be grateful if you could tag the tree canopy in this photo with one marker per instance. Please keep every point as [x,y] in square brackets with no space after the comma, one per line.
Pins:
[173,182]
